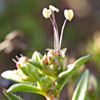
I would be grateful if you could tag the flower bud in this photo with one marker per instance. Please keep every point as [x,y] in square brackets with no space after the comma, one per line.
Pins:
[19,65]
[54,57]
[23,59]
[37,56]
[45,60]
[50,59]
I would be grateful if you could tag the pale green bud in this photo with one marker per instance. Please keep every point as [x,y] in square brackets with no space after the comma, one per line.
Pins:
[37,56]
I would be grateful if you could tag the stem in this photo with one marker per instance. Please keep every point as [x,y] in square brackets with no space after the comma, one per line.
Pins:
[50,96]
[62,31]
[56,33]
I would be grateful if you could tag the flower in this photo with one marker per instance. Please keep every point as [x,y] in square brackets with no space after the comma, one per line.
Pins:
[46,13]
[52,8]
[21,61]
[68,14]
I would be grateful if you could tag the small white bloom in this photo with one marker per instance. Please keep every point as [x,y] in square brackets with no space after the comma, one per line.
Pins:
[68,14]
[53,8]
[46,13]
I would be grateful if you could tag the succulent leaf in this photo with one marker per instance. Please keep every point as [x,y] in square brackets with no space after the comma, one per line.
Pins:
[82,60]
[11,96]
[63,52]
[82,87]
[35,63]
[25,88]
[25,70]
[64,78]
[12,75]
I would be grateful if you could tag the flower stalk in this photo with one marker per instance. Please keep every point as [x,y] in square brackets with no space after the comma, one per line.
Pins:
[62,31]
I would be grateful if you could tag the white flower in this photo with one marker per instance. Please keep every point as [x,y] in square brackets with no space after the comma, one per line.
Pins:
[53,8]
[68,14]
[46,13]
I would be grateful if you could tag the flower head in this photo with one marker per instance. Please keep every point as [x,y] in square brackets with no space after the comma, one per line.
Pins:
[52,8]
[46,13]
[68,14]
[21,61]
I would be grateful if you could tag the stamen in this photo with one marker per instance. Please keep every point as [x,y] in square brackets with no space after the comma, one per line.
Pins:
[21,55]
[56,33]
[52,21]
[17,57]
[55,23]
[62,31]
[14,60]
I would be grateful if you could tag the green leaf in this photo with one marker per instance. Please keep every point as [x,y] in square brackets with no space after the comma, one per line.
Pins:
[12,75]
[64,77]
[25,88]
[82,60]
[25,70]
[35,63]
[11,96]
[33,71]
[70,68]
[82,87]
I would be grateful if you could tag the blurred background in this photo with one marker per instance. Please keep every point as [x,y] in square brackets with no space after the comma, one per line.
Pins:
[24,30]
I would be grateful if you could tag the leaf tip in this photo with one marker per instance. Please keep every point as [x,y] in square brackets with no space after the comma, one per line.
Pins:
[90,55]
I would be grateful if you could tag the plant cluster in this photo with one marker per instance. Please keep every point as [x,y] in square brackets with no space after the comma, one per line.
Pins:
[46,74]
